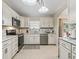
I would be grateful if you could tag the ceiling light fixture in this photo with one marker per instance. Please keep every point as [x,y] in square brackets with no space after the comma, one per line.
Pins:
[43,9]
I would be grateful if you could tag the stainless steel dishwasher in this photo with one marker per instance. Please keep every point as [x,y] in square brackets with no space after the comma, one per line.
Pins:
[43,39]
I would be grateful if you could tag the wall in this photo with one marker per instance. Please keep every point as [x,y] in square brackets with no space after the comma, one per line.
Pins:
[56,22]
[71,17]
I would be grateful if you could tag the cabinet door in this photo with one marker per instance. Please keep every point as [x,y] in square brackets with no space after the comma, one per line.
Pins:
[9,51]
[64,53]
[25,39]
[46,22]
[51,22]
[22,21]
[28,40]
[32,40]
[51,39]
[36,40]
[26,20]
[72,9]
[73,49]
[73,56]
[5,53]
[43,22]
[6,15]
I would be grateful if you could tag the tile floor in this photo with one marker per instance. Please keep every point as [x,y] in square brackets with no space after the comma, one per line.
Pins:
[38,52]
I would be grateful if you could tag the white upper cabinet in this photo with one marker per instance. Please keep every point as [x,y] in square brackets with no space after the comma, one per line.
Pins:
[24,21]
[71,6]
[72,9]
[22,24]
[46,22]
[7,14]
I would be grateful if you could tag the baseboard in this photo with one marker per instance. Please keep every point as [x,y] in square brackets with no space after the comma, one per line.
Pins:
[39,44]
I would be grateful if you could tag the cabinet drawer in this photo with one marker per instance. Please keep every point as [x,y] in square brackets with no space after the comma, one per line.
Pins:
[65,44]
[73,49]
[8,42]
[14,40]
[64,53]
[14,45]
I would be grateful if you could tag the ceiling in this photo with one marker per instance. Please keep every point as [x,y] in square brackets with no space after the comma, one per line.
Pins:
[25,10]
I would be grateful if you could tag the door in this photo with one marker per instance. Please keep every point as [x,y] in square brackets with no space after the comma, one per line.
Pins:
[44,39]
[61,27]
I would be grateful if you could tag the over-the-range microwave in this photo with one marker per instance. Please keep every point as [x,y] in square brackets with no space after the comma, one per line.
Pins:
[15,22]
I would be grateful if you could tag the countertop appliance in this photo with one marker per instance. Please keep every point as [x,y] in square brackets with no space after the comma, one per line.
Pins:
[15,22]
[20,41]
[10,32]
[43,39]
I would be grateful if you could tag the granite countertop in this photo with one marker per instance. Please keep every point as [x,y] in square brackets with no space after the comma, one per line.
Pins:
[69,40]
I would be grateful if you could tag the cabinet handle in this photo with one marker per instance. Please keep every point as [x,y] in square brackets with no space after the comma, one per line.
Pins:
[6,51]
[69,55]
[2,21]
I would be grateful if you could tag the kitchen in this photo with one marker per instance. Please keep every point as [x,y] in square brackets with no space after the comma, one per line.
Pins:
[31,34]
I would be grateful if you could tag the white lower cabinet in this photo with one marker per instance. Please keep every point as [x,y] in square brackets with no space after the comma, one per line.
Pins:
[64,53]
[6,52]
[26,39]
[37,39]
[51,39]
[73,52]
[74,49]
[73,56]
[10,47]
[66,50]
[32,39]
[6,48]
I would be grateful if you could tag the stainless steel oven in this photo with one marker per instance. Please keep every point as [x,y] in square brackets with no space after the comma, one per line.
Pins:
[20,41]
